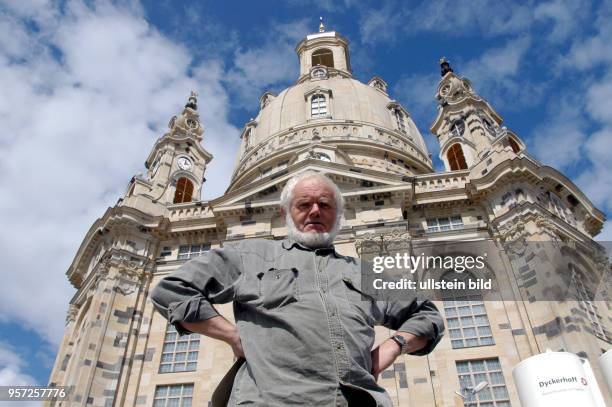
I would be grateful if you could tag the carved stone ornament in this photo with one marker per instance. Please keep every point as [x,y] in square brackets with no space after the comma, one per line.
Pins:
[396,240]
[128,277]
[71,314]
[371,244]
[454,89]
[125,287]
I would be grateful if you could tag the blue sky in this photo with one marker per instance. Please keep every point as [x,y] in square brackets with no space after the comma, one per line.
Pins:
[87,88]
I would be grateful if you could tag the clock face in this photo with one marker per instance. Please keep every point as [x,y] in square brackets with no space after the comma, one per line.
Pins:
[184,163]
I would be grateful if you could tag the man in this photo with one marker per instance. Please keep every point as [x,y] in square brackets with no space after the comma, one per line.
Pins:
[303,325]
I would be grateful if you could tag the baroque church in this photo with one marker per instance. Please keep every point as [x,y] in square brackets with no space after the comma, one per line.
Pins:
[117,351]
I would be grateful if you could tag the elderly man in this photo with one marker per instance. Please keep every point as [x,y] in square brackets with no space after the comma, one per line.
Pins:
[302,323]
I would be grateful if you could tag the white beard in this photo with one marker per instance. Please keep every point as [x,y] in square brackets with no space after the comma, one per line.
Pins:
[312,240]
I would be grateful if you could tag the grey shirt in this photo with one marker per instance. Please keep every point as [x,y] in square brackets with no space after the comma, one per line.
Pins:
[304,325]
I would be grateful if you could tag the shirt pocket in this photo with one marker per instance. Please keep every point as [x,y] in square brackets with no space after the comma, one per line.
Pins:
[278,287]
[363,303]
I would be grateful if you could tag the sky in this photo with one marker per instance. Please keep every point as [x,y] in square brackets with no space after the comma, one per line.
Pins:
[87,87]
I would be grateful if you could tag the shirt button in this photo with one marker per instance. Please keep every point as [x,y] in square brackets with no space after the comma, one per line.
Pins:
[339,346]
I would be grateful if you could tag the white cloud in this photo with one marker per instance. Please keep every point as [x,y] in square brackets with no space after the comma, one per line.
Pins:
[488,17]
[75,130]
[496,75]
[606,235]
[416,92]
[380,24]
[11,368]
[557,141]
[330,6]
[275,63]
[567,16]
[599,100]
[596,180]
[590,51]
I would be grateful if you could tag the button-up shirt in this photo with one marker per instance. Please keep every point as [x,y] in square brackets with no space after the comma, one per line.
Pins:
[305,326]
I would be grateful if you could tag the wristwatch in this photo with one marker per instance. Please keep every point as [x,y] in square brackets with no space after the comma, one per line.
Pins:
[402,342]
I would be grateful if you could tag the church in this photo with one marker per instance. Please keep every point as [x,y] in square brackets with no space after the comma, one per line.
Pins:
[117,351]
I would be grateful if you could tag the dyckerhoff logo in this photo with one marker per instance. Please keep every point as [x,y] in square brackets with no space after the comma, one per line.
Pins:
[559,380]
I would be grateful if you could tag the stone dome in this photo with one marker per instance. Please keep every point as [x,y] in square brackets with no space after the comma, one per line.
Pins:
[329,115]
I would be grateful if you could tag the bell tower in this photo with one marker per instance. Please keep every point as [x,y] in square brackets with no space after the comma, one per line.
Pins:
[467,127]
[177,162]
[325,50]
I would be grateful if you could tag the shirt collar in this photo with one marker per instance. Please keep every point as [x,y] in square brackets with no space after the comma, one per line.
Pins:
[289,244]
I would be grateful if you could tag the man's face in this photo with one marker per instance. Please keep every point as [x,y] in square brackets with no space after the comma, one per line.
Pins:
[313,208]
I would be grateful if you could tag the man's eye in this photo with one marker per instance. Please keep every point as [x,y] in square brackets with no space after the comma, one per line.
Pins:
[303,206]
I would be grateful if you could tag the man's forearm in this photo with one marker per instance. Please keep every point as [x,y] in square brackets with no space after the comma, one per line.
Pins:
[218,328]
[414,342]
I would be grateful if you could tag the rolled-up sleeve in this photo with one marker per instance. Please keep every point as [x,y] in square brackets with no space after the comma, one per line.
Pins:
[187,294]
[420,318]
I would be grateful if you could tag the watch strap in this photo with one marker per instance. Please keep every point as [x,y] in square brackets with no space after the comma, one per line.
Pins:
[401,341]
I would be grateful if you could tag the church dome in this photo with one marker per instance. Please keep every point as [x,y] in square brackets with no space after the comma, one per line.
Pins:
[330,116]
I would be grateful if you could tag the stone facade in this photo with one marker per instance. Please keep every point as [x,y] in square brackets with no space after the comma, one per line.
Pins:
[491,191]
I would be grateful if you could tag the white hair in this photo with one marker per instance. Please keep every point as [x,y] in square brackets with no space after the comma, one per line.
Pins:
[311,239]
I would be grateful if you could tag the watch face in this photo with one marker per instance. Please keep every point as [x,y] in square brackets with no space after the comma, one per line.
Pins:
[184,163]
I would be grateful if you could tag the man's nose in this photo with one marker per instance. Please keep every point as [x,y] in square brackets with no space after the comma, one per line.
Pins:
[314,210]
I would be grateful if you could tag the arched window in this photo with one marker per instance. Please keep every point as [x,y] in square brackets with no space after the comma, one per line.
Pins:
[514,145]
[456,159]
[466,316]
[184,190]
[323,57]
[318,106]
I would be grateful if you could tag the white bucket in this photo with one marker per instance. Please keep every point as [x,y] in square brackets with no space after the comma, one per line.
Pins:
[553,379]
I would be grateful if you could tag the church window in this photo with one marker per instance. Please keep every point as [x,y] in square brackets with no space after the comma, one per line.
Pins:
[323,57]
[466,316]
[589,307]
[473,372]
[456,159]
[318,106]
[179,353]
[192,250]
[179,395]
[457,128]
[444,223]
[514,145]
[184,190]
[155,165]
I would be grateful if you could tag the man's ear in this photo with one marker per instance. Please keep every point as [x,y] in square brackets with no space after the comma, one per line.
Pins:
[283,212]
